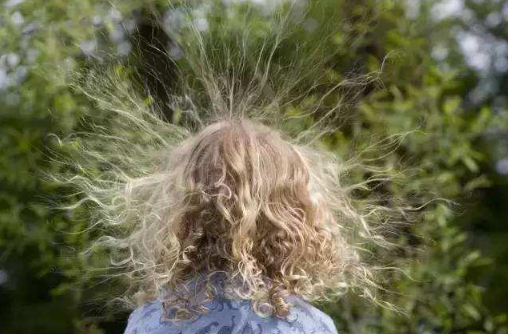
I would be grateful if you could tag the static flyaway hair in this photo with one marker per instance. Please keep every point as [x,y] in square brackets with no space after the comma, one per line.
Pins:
[223,187]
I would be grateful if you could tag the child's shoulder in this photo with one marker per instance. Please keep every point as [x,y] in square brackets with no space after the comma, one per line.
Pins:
[310,316]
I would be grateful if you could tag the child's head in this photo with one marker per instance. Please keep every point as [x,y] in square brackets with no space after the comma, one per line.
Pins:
[238,197]
[246,206]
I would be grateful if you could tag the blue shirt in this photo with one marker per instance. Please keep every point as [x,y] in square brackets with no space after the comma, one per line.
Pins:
[232,316]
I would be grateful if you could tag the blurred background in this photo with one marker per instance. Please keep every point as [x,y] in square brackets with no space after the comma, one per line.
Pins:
[445,73]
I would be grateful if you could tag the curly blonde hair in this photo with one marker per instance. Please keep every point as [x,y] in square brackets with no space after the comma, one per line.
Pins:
[239,198]
[236,198]
[233,193]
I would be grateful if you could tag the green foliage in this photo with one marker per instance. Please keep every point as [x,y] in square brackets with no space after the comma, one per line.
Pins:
[444,141]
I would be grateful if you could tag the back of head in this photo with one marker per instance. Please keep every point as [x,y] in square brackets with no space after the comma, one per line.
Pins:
[239,198]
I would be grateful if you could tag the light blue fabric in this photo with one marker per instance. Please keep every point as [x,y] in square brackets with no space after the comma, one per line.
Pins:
[227,316]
